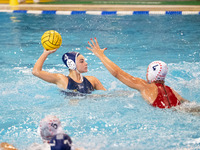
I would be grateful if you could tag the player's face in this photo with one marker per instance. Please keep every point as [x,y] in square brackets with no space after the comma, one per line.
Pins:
[81,64]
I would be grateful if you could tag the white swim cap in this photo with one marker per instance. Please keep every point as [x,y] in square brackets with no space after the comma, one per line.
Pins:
[49,127]
[157,70]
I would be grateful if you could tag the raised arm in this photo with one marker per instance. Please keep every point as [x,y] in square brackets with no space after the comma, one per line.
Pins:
[127,79]
[47,76]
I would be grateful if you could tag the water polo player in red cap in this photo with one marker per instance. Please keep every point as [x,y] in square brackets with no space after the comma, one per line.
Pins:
[74,81]
[154,91]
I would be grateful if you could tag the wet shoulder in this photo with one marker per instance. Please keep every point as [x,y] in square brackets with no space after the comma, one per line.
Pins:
[91,78]
[150,92]
[63,81]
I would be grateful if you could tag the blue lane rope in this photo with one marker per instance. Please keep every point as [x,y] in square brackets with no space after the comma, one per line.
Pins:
[173,12]
[48,12]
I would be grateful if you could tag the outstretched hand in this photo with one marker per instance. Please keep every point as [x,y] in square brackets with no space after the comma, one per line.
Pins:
[94,47]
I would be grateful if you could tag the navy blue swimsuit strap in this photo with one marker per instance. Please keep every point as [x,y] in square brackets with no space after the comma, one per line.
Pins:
[84,87]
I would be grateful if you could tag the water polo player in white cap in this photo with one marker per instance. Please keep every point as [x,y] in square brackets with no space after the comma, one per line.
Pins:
[74,81]
[53,136]
[49,127]
[154,91]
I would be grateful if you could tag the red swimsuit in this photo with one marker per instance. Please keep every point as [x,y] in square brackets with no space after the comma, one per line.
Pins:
[165,98]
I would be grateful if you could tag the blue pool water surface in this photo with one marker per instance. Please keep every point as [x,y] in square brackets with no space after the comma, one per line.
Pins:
[118,119]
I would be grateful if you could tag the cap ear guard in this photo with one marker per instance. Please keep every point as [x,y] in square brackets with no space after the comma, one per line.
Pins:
[71,64]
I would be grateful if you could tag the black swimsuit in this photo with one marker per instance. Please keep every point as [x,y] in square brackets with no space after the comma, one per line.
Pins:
[84,87]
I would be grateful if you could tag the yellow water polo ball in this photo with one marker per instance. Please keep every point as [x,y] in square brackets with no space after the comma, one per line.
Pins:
[51,40]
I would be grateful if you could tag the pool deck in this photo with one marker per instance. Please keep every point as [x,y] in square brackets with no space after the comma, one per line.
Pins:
[85,7]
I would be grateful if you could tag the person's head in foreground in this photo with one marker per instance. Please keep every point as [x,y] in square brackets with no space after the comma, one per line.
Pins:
[49,127]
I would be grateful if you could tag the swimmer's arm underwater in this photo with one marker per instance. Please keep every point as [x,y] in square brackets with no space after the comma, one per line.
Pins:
[58,79]
[127,79]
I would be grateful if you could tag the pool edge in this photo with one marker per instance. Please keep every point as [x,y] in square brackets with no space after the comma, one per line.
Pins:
[81,7]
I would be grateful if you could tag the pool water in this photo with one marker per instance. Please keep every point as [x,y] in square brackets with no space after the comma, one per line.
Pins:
[118,119]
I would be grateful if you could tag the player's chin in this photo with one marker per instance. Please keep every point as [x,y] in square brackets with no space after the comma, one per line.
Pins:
[84,71]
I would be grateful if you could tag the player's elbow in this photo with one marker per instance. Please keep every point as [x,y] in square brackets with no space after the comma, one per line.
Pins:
[35,72]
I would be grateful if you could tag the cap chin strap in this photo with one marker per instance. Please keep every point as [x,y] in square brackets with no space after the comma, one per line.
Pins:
[80,75]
